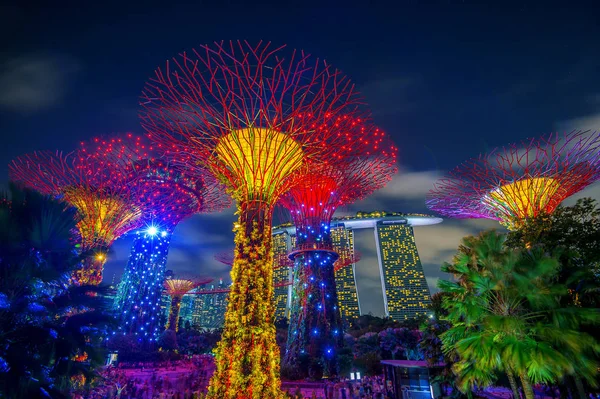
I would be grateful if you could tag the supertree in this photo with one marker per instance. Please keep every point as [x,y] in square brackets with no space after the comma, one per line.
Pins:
[176,289]
[166,195]
[519,181]
[97,188]
[254,116]
[315,322]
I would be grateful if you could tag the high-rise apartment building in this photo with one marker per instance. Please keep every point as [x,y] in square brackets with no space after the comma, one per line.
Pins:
[345,278]
[281,245]
[403,283]
[205,306]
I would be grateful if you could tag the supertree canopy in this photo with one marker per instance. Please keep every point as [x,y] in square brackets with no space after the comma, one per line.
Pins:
[519,181]
[176,289]
[99,191]
[254,116]
[165,195]
[315,323]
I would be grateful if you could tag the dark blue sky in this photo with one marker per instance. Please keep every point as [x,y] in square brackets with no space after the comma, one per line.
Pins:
[446,81]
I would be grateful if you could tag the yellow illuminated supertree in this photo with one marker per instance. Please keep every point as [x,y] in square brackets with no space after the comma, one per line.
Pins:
[97,188]
[176,289]
[254,116]
[520,181]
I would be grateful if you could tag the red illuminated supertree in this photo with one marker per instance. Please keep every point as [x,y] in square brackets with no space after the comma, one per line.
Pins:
[166,195]
[315,322]
[97,188]
[519,181]
[254,116]
[176,289]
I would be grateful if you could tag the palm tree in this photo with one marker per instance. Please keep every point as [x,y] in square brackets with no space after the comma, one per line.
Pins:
[507,316]
[46,340]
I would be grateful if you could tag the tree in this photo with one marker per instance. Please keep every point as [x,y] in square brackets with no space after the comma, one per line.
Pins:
[507,314]
[168,340]
[573,233]
[404,341]
[576,231]
[49,331]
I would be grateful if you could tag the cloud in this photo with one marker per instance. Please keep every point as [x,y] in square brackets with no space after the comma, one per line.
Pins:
[406,188]
[33,82]
[438,244]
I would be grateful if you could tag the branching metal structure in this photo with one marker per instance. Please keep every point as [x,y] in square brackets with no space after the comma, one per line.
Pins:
[315,322]
[254,115]
[97,188]
[176,289]
[519,181]
[166,195]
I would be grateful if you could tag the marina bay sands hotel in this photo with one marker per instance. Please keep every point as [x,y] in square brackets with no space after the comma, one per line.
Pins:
[405,290]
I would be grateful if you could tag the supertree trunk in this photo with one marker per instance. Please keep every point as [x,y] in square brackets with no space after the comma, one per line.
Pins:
[140,290]
[315,322]
[247,357]
[173,322]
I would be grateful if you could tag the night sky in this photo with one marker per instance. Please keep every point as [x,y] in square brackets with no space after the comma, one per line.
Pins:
[445,81]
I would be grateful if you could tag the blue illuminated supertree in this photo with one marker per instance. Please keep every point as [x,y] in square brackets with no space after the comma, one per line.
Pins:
[165,195]
[315,329]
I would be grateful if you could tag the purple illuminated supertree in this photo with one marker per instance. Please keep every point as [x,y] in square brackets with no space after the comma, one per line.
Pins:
[315,323]
[96,187]
[166,195]
[255,116]
[519,181]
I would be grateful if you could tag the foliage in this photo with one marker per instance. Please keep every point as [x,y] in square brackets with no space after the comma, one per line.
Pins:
[368,343]
[49,331]
[369,323]
[193,342]
[345,360]
[168,340]
[402,343]
[576,231]
[369,363]
[507,315]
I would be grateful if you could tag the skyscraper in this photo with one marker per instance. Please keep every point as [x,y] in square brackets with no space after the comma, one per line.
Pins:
[345,279]
[205,306]
[405,289]
[281,245]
